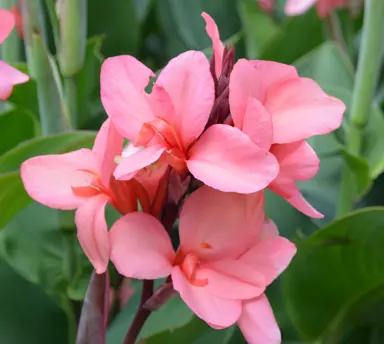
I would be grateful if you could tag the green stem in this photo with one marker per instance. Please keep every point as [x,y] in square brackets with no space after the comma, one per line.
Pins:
[365,83]
[72,326]
[70,93]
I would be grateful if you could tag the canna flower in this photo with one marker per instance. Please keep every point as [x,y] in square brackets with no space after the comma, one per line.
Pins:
[9,76]
[168,124]
[278,111]
[266,5]
[324,7]
[224,262]
[83,180]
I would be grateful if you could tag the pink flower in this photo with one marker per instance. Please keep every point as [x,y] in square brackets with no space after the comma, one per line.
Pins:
[266,5]
[83,180]
[169,122]
[9,76]
[278,110]
[324,7]
[225,260]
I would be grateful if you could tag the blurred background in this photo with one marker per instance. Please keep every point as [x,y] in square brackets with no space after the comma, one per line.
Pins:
[334,290]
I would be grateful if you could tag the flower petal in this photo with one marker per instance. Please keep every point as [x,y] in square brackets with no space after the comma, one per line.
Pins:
[270,257]
[301,109]
[217,45]
[226,159]
[298,161]
[108,144]
[130,165]
[254,79]
[227,233]
[210,308]
[232,279]
[188,81]
[140,247]
[257,322]
[257,124]
[92,231]
[290,192]
[7,22]
[123,80]
[269,230]
[296,7]
[9,78]
[49,179]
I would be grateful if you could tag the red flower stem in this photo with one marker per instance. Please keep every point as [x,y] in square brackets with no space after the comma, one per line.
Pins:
[142,314]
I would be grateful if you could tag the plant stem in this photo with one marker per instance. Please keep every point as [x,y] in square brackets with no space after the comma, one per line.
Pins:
[335,31]
[70,92]
[141,315]
[365,83]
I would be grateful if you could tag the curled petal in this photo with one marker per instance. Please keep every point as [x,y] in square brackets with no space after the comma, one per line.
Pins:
[257,322]
[226,159]
[214,310]
[92,231]
[140,247]
[214,35]
[49,179]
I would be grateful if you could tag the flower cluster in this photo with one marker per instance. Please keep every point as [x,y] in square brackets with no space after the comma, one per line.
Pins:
[9,75]
[203,145]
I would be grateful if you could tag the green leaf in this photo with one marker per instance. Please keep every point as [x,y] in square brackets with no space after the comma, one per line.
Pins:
[195,332]
[336,271]
[45,145]
[298,36]
[88,80]
[185,28]
[36,246]
[117,22]
[172,315]
[27,314]
[259,27]
[16,125]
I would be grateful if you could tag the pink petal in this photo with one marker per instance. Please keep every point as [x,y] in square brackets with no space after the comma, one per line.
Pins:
[269,230]
[267,5]
[226,159]
[254,79]
[92,231]
[296,7]
[270,257]
[130,165]
[49,179]
[9,78]
[162,104]
[257,322]
[217,45]
[140,247]
[232,279]
[298,161]
[290,192]
[188,81]
[123,80]
[210,308]
[301,109]
[108,144]
[229,233]
[257,124]
[7,22]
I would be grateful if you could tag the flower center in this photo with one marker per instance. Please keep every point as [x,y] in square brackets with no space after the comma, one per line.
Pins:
[94,188]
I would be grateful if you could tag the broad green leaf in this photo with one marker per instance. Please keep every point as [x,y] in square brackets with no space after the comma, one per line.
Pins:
[195,332]
[16,125]
[172,315]
[88,80]
[298,36]
[185,28]
[45,145]
[119,24]
[259,27]
[36,245]
[28,315]
[335,273]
